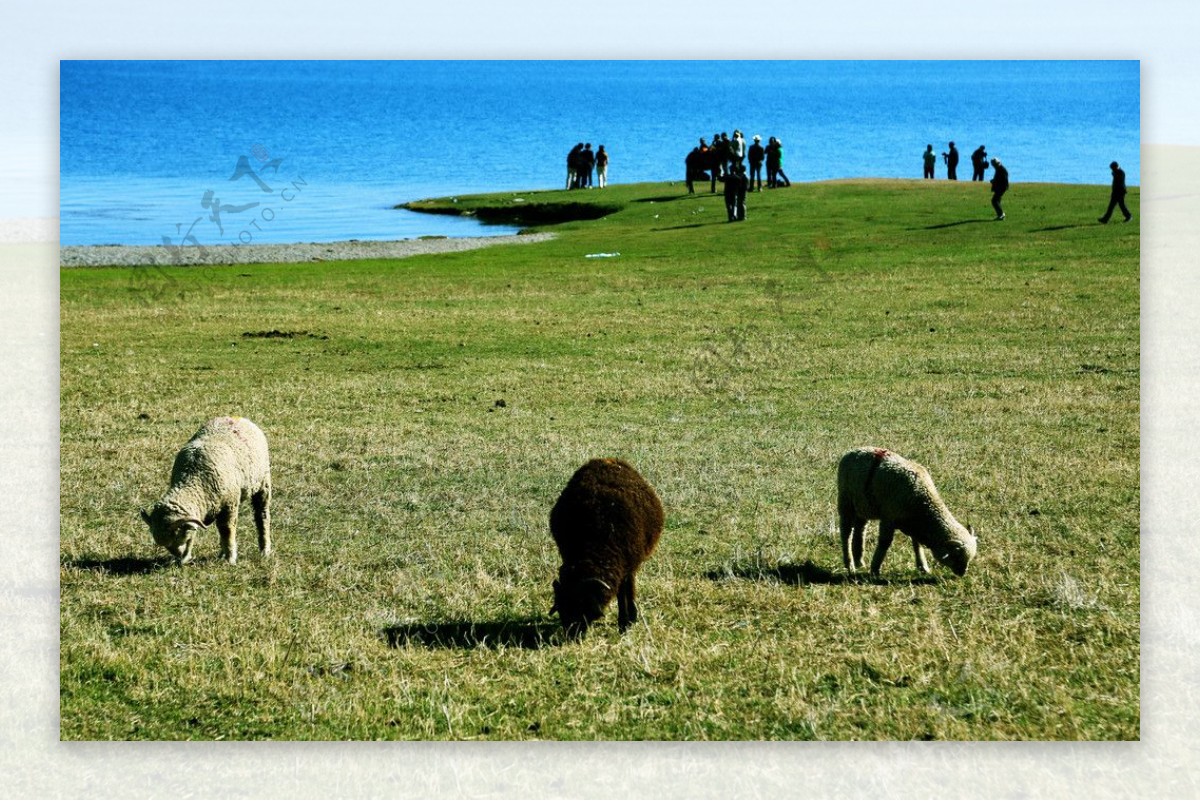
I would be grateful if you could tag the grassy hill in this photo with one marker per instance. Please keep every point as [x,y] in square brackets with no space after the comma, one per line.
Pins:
[424,414]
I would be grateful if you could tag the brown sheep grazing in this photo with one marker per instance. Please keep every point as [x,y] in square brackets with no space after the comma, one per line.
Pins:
[876,484]
[605,524]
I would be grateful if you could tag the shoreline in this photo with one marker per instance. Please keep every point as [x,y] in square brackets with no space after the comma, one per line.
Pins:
[71,256]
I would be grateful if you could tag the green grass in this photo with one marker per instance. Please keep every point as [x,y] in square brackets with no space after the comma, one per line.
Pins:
[733,365]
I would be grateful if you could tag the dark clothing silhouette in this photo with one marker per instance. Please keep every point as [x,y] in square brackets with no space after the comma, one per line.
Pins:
[979,163]
[999,187]
[772,156]
[1118,195]
[735,194]
[573,166]
[717,156]
[694,165]
[587,162]
[952,163]
[755,155]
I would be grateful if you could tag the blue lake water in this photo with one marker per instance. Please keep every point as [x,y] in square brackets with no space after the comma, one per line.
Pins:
[209,152]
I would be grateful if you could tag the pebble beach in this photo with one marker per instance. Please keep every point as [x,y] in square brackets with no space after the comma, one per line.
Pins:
[160,255]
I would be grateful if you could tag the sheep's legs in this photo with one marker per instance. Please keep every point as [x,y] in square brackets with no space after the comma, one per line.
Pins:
[852,541]
[227,526]
[627,613]
[922,565]
[261,501]
[887,532]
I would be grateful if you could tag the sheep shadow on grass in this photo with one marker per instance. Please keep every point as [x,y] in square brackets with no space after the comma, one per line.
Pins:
[121,565]
[531,633]
[803,574]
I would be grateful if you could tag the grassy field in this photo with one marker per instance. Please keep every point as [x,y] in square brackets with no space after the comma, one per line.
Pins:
[425,413]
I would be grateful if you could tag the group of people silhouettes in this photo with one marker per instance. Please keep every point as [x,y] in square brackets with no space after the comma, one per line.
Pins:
[739,167]
[582,163]
[710,162]
[979,164]
[999,182]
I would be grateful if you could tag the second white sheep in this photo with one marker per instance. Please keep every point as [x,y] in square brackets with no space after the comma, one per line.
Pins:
[876,484]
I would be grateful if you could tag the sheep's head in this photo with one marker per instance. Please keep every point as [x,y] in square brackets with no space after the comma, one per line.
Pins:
[580,601]
[958,551]
[172,532]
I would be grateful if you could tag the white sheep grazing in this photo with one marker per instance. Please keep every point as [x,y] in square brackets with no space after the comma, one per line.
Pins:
[876,484]
[225,463]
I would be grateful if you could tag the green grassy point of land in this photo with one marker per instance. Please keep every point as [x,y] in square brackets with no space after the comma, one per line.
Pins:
[424,413]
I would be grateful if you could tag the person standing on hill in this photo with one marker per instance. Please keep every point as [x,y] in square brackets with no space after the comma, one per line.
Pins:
[587,162]
[999,186]
[717,155]
[601,167]
[573,166]
[780,175]
[755,155]
[693,167]
[951,159]
[930,159]
[737,149]
[772,154]
[1118,194]
[978,163]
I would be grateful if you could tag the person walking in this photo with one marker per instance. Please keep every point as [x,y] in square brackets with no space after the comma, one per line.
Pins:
[1117,198]
[979,163]
[951,159]
[999,186]
[601,167]
[755,156]
[735,192]
[930,159]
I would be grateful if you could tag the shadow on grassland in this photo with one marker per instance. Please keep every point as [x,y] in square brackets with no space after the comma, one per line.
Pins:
[662,198]
[802,575]
[690,225]
[531,634]
[953,224]
[121,566]
[1062,227]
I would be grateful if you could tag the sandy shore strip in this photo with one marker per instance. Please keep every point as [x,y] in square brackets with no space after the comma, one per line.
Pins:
[186,255]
